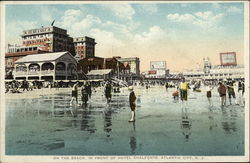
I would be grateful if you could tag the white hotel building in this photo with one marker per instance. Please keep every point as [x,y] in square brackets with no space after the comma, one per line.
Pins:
[46,66]
[217,72]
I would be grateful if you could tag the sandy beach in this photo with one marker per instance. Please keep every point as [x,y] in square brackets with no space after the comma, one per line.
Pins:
[36,93]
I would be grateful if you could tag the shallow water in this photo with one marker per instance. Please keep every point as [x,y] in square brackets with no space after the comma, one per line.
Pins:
[50,126]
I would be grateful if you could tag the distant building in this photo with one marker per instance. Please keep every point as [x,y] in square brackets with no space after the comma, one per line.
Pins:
[47,66]
[217,72]
[84,46]
[104,74]
[206,65]
[134,64]
[52,39]
[228,69]
[118,69]
[14,52]
[157,70]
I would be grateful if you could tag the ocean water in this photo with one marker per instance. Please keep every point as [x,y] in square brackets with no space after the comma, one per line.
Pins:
[48,125]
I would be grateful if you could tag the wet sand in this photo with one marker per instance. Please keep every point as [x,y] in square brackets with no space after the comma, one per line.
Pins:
[35,93]
[48,125]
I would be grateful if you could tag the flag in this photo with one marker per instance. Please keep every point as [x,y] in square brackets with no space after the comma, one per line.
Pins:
[53,23]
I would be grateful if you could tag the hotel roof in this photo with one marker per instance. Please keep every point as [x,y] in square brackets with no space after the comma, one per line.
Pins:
[41,57]
[99,72]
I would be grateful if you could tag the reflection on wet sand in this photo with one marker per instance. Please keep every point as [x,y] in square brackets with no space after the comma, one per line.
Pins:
[212,123]
[229,117]
[186,124]
[49,123]
[88,122]
[132,141]
[108,121]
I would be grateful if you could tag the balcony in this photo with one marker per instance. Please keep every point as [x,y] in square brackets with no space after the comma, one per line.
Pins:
[61,72]
[25,73]
[33,72]
[20,73]
[47,72]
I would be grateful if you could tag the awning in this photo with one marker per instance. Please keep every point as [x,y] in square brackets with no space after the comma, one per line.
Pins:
[99,72]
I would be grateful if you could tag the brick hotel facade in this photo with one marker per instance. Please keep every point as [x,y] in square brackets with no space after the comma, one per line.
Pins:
[47,40]
[84,47]
[53,39]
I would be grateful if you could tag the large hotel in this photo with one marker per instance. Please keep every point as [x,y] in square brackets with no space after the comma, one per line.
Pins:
[35,58]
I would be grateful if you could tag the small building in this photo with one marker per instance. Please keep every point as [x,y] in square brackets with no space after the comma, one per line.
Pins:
[86,65]
[47,66]
[134,64]
[100,74]
[15,52]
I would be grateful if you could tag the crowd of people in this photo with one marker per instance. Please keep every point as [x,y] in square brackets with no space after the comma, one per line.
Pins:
[231,88]
[21,86]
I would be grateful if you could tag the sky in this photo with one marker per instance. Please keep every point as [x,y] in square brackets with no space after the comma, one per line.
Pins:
[181,34]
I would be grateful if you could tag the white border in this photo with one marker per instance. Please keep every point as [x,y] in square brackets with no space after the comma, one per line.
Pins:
[5,158]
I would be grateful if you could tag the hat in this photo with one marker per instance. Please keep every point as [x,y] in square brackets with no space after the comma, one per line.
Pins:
[130,88]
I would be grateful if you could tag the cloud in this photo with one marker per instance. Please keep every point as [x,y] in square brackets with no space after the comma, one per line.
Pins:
[180,18]
[46,14]
[202,19]
[234,9]
[85,24]
[70,17]
[155,34]
[216,5]
[121,30]
[149,8]
[105,37]
[123,11]
[78,23]
[184,5]
[16,29]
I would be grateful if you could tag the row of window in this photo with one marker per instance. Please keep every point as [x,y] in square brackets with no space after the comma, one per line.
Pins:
[79,43]
[211,75]
[38,30]
[35,41]
[37,36]
[22,49]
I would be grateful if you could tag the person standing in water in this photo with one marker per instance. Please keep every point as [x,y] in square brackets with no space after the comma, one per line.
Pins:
[88,89]
[108,89]
[230,91]
[84,95]
[222,91]
[166,85]
[183,92]
[132,99]
[74,93]
[209,93]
